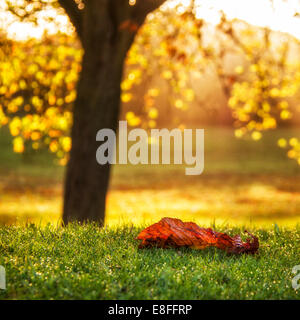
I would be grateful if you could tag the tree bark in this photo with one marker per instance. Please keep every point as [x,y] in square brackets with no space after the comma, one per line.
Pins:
[96,107]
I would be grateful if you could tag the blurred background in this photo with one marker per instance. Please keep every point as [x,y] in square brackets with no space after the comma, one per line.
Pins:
[230,67]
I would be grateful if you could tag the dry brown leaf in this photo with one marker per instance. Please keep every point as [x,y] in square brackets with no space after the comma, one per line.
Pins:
[173,233]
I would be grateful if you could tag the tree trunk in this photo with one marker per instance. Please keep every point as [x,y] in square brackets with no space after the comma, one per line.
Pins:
[96,107]
[106,29]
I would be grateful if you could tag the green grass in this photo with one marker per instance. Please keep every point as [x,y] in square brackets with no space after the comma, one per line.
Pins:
[85,262]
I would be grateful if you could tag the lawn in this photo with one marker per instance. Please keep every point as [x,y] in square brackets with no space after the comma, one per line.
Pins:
[85,262]
[245,184]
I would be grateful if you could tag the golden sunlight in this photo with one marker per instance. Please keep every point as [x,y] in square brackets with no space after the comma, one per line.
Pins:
[277,15]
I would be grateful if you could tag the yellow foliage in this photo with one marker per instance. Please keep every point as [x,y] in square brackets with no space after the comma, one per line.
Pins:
[66,143]
[151,124]
[256,135]
[153,113]
[239,133]
[167,74]
[154,92]
[285,114]
[35,135]
[239,69]
[18,145]
[126,97]
[282,143]
[48,70]
[293,142]
[53,146]
[269,123]
[179,104]
[291,153]
[134,121]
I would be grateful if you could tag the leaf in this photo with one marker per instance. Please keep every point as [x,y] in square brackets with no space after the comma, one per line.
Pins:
[173,233]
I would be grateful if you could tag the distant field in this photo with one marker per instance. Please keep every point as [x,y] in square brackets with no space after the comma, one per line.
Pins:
[244,182]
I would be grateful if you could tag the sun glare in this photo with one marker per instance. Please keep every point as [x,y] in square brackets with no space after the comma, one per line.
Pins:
[278,15]
[49,21]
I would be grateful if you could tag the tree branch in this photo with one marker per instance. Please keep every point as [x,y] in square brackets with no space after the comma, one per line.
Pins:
[143,7]
[74,14]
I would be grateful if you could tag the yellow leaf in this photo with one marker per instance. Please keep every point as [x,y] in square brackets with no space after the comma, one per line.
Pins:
[126,97]
[256,135]
[153,113]
[282,143]
[18,145]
